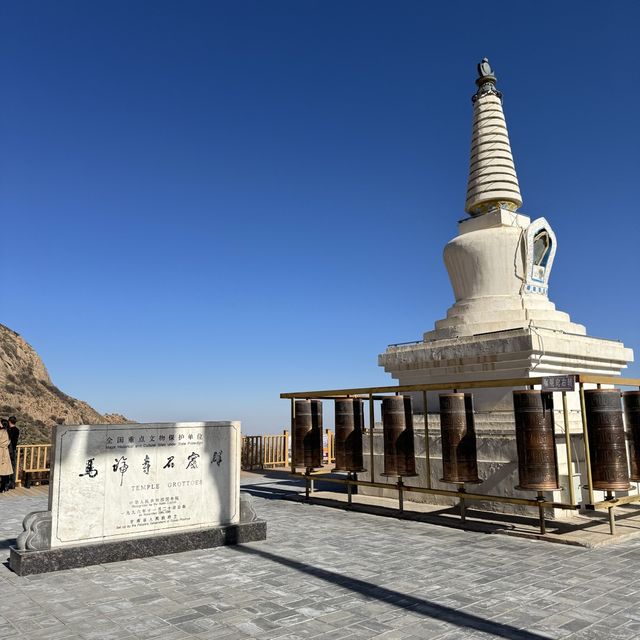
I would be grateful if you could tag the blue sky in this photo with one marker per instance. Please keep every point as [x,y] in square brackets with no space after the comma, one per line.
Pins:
[207,203]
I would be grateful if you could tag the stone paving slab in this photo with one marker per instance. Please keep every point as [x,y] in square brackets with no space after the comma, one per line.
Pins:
[325,573]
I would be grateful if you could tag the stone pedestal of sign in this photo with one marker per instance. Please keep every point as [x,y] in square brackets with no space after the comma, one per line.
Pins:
[128,491]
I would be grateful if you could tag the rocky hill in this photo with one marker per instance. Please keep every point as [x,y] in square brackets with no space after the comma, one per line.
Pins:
[26,391]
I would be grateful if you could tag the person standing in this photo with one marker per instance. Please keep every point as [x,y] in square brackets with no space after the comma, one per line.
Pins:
[14,436]
[6,468]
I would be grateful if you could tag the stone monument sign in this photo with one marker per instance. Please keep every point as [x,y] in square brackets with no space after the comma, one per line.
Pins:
[128,491]
[118,481]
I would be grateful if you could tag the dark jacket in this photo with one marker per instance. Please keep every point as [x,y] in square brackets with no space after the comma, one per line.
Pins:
[14,436]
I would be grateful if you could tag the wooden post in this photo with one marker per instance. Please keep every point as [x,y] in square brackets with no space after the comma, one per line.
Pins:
[285,455]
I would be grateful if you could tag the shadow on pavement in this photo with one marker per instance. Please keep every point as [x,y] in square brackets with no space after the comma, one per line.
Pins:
[579,531]
[268,493]
[282,478]
[400,600]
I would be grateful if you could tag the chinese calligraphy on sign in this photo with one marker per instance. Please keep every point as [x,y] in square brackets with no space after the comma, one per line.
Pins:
[89,469]
[121,466]
[192,460]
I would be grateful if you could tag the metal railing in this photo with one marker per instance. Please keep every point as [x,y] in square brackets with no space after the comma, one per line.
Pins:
[373,394]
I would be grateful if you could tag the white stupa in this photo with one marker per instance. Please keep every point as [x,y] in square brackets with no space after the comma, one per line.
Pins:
[502,324]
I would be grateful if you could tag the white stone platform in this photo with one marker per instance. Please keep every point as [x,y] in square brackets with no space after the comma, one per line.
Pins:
[523,352]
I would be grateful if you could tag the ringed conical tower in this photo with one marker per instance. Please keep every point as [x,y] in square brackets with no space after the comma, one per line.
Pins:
[492,174]
[502,323]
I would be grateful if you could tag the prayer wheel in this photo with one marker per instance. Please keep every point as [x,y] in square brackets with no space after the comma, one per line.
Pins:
[348,437]
[308,434]
[457,427]
[607,441]
[397,432]
[631,402]
[537,457]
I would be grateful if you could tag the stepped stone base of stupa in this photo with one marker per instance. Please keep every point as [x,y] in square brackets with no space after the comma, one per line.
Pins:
[522,352]
[500,313]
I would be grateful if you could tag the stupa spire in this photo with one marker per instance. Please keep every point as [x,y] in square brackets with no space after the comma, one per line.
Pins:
[492,174]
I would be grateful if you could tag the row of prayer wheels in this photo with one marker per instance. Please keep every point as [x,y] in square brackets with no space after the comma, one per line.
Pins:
[308,445]
[535,439]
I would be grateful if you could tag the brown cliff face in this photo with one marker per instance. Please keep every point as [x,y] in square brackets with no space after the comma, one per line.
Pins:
[26,391]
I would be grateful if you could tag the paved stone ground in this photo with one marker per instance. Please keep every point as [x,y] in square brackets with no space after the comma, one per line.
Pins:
[325,573]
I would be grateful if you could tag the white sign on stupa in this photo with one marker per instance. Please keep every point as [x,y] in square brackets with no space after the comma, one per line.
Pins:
[502,324]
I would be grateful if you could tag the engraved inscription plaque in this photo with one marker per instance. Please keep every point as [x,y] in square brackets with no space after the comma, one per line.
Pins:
[114,482]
